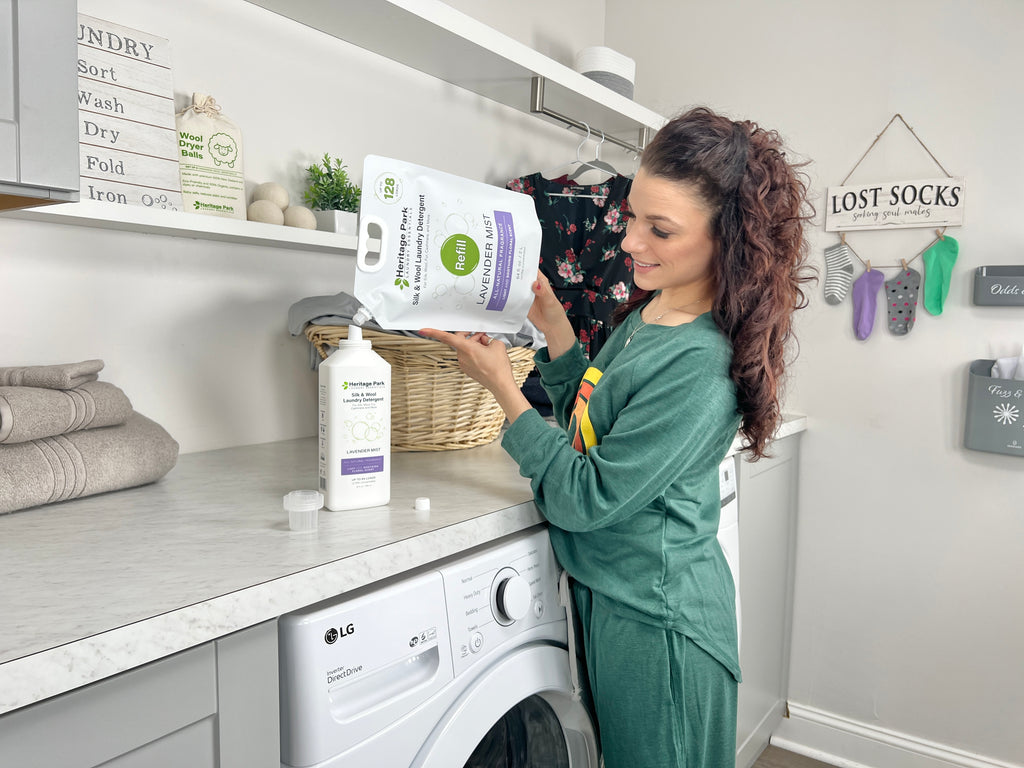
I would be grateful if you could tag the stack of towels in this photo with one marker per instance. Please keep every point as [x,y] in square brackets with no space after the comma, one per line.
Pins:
[65,434]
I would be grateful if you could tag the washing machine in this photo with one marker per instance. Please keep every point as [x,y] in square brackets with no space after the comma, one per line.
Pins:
[465,663]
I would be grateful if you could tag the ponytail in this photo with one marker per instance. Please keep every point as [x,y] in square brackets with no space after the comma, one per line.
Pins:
[758,208]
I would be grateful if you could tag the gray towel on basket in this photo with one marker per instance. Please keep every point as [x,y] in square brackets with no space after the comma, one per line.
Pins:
[30,413]
[340,308]
[84,463]
[63,376]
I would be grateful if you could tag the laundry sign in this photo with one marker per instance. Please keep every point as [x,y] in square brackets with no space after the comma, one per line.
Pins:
[896,205]
[126,134]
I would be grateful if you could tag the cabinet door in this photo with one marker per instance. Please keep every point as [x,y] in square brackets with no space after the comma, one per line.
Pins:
[132,711]
[38,101]
[249,723]
[767,514]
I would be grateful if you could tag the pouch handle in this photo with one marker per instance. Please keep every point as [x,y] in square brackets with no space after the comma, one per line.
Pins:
[363,248]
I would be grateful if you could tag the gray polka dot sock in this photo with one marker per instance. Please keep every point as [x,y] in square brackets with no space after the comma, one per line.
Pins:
[901,300]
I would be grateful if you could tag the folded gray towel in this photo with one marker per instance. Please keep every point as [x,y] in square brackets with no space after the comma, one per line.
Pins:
[30,413]
[63,376]
[84,463]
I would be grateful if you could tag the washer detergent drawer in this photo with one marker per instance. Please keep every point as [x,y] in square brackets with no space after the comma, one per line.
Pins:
[351,667]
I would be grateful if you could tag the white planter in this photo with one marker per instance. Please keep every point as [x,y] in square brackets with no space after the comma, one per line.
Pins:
[342,222]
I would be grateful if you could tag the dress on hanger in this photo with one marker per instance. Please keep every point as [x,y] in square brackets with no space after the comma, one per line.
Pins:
[582,230]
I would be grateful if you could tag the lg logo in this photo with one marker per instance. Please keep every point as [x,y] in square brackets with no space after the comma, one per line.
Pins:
[332,635]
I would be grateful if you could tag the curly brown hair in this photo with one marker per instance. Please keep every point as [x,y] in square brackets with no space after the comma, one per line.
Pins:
[758,205]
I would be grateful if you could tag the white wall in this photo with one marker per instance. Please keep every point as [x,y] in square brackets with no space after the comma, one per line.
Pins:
[194,331]
[909,614]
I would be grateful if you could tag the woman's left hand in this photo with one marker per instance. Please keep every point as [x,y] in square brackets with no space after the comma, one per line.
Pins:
[486,362]
[480,358]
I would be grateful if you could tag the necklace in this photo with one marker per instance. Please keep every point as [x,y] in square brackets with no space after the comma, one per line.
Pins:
[644,323]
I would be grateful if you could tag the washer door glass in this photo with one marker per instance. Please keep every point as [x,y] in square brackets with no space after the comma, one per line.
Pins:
[528,736]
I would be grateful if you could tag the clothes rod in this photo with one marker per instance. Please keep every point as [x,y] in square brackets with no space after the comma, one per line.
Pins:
[537,106]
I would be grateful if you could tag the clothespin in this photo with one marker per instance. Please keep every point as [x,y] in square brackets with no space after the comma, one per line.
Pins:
[904,263]
[940,233]
[868,264]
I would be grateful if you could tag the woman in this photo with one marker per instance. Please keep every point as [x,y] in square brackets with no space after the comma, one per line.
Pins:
[630,488]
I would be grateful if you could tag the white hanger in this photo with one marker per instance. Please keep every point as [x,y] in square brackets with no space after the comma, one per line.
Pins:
[596,164]
[578,166]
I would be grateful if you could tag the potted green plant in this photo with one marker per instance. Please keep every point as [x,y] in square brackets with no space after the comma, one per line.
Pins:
[332,196]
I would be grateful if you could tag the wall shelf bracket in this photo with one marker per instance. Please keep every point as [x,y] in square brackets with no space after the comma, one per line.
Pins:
[537,106]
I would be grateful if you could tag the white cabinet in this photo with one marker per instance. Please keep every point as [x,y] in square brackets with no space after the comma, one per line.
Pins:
[38,102]
[212,705]
[767,510]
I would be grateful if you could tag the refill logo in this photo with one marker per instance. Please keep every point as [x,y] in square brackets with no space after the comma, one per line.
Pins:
[460,255]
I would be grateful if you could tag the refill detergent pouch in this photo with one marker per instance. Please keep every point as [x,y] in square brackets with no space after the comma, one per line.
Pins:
[454,254]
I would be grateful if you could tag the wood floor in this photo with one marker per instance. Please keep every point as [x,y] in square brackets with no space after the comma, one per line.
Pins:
[773,757]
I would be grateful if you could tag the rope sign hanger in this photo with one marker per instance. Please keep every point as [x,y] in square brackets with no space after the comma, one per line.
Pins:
[879,136]
[940,234]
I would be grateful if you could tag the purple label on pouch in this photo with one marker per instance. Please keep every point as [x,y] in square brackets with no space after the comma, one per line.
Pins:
[364,465]
[504,255]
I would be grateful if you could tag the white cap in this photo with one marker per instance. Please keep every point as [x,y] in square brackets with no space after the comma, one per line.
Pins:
[303,501]
[361,316]
[422,504]
[355,339]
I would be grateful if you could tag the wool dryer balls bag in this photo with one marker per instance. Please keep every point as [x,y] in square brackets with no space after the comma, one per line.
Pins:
[210,160]
[455,254]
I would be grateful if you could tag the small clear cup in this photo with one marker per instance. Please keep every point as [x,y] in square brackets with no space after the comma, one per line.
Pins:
[303,508]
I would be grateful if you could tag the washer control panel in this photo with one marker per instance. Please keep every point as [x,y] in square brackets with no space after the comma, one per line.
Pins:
[499,594]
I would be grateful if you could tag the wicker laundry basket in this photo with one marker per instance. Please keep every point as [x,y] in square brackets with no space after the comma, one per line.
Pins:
[434,405]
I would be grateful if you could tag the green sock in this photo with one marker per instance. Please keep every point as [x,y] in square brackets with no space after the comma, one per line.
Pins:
[938,269]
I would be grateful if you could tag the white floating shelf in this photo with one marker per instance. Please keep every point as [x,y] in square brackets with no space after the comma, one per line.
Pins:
[135,218]
[427,35]
[436,39]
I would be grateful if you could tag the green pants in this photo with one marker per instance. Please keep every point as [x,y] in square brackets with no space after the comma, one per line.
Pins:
[661,701]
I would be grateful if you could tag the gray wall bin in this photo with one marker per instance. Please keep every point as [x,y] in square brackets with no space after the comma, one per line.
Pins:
[995,412]
[1001,286]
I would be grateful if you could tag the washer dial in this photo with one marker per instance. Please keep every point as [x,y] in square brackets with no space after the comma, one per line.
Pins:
[510,597]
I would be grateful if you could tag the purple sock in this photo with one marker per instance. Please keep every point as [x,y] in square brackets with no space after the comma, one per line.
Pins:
[865,302]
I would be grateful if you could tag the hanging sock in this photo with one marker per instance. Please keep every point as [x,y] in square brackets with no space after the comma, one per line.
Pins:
[901,300]
[838,272]
[938,269]
[865,302]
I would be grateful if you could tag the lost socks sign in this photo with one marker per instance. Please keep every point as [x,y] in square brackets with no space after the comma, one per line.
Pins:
[896,205]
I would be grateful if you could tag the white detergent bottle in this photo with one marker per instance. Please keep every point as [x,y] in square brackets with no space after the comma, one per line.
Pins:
[355,425]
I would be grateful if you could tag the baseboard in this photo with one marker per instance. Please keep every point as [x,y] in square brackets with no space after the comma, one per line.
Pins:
[751,748]
[851,744]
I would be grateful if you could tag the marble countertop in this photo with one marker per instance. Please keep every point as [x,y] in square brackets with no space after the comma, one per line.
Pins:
[97,586]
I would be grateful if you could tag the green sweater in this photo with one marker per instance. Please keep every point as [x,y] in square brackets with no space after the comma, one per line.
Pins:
[630,488]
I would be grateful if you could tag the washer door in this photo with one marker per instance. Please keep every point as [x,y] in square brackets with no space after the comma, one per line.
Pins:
[522,709]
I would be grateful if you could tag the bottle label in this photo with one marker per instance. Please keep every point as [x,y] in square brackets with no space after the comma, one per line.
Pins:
[362,465]
[363,437]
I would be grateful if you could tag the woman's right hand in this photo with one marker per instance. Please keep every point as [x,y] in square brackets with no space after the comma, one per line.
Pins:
[547,314]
